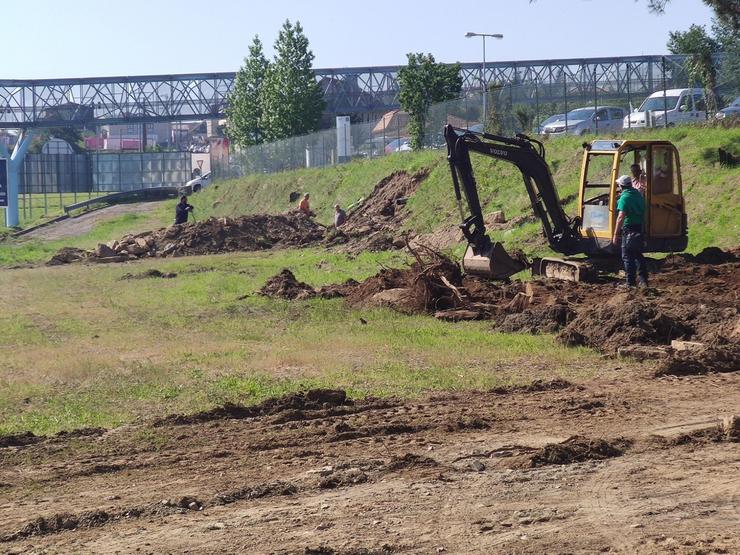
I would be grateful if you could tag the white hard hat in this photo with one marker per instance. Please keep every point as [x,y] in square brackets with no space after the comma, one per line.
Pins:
[624,181]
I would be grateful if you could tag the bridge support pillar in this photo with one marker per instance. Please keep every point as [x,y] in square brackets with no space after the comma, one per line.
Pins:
[15,165]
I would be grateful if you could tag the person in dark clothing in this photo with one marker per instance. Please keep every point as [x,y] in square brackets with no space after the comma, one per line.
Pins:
[631,206]
[182,209]
[340,216]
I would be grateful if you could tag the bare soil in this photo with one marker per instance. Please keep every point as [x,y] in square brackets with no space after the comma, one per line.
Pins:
[692,298]
[373,226]
[74,227]
[625,463]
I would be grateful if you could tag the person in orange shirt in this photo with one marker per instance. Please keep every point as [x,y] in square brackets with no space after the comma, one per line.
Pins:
[304,206]
[639,179]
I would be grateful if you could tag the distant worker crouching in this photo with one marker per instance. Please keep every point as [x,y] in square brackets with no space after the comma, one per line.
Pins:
[181,210]
[305,206]
[340,216]
[631,206]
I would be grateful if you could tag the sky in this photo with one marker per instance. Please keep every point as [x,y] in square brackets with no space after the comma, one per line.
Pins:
[93,38]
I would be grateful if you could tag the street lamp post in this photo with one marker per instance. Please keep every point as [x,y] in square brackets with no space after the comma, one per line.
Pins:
[470,34]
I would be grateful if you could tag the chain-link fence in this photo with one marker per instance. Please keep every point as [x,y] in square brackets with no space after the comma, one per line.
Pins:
[49,182]
[561,105]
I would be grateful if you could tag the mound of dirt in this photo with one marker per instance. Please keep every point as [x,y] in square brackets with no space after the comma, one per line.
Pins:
[374,225]
[542,319]
[67,255]
[573,450]
[214,235]
[714,358]
[623,321]
[313,399]
[153,273]
[19,440]
[425,287]
[285,286]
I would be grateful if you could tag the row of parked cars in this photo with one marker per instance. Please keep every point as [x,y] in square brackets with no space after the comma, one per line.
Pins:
[675,105]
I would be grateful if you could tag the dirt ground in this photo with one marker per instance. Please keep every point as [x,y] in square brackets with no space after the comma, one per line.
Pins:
[73,227]
[650,470]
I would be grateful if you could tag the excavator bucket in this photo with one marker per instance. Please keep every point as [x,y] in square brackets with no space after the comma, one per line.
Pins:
[492,262]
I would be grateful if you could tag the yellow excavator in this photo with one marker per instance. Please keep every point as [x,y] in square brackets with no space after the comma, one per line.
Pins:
[590,231]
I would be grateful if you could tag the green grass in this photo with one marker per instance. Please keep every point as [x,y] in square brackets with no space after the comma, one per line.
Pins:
[711,191]
[23,250]
[110,351]
[37,208]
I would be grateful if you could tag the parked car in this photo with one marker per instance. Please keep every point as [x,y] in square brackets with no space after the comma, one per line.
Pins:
[587,120]
[196,184]
[372,147]
[552,119]
[398,145]
[678,105]
[731,110]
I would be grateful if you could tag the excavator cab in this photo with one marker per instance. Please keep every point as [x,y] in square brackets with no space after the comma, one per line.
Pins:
[590,231]
[604,161]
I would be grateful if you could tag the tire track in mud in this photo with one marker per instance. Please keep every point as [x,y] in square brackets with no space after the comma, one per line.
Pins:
[640,492]
[345,476]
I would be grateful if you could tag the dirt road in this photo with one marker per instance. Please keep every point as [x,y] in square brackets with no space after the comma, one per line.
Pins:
[482,472]
[74,227]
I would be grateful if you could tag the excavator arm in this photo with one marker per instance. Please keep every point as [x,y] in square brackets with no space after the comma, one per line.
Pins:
[484,257]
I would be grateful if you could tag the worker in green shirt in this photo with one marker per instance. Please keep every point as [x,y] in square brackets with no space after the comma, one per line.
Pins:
[631,207]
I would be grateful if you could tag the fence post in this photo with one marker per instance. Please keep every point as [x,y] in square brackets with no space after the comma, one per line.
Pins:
[58,159]
[665,100]
[596,104]
[537,103]
[565,100]
[629,95]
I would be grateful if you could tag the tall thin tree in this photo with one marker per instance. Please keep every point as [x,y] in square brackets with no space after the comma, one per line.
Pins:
[244,113]
[291,99]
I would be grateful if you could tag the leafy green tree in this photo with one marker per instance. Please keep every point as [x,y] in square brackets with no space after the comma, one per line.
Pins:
[71,135]
[244,112]
[525,117]
[423,82]
[291,99]
[726,11]
[699,47]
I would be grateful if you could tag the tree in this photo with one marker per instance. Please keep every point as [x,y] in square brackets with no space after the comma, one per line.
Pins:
[525,117]
[726,11]
[291,99]
[244,112]
[699,47]
[71,135]
[423,82]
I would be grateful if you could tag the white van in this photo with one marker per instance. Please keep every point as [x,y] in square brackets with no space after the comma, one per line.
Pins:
[680,105]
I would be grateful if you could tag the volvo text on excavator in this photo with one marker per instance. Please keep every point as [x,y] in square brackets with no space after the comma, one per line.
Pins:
[590,231]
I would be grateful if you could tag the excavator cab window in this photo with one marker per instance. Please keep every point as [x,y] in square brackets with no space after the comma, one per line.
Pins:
[665,200]
[597,191]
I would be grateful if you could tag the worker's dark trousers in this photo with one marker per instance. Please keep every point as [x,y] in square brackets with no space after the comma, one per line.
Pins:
[634,262]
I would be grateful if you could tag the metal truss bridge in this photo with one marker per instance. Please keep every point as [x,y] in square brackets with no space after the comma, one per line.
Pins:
[89,102]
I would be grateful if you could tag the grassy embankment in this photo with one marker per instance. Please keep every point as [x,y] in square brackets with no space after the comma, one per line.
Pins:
[711,193]
[712,197]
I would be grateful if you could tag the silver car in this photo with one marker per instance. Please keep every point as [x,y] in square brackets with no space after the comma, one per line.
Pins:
[731,110]
[588,120]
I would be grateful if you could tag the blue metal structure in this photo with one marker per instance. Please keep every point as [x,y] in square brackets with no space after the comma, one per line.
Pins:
[143,99]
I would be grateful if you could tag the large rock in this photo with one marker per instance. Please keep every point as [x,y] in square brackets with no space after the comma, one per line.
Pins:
[104,251]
